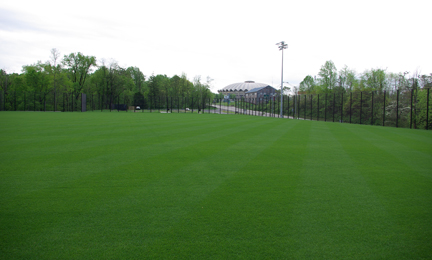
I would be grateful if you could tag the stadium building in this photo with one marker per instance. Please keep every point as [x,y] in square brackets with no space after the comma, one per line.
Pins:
[262,92]
[240,90]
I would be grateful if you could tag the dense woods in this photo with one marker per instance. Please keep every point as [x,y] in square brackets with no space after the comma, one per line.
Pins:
[77,73]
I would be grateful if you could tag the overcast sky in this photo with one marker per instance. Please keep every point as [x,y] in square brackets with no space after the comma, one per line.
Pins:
[229,41]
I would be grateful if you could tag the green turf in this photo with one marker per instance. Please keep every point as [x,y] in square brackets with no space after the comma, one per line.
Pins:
[148,185]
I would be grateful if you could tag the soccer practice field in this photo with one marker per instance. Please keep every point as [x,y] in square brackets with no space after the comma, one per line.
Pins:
[123,185]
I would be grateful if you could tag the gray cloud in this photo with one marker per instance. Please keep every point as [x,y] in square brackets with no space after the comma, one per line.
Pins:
[16,22]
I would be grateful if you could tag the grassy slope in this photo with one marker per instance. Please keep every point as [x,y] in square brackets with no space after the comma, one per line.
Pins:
[133,185]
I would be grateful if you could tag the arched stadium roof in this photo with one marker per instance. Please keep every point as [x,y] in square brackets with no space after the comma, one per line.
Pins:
[243,86]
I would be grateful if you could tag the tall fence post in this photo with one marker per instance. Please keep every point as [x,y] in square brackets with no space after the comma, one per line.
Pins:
[397,108]
[411,108]
[298,107]
[288,97]
[342,107]
[384,103]
[334,104]
[311,107]
[350,107]
[325,108]
[361,105]
[427,109]
[305,107]
[372,101]
[318,108]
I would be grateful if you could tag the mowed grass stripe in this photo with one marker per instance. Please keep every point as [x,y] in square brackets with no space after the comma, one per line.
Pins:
[246,216]
[402,187]
[414,152]
[63,158]
[125,127]
[336,214]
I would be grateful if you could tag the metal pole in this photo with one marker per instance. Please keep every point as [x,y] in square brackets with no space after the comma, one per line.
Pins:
[318,108]
[288,97]
[305,107]
[311,107]
[372,93]
[342,108]
[397,108]
[334,102]
[361,105]
[298,108]
[325,109]
[282,46]
[350,106]
[427,109]
[412,93]
[384,108]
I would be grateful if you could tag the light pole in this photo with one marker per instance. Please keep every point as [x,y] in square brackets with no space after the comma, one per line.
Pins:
[282,45]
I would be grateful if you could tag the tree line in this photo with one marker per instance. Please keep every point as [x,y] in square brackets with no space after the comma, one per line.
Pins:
[78,73]
[376,96]
[329,79]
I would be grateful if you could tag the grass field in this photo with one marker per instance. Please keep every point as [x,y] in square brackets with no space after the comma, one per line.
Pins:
[138,185]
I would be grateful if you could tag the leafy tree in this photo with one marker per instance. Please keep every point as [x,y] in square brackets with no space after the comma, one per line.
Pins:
[5,81]
[347,78]
[186,87]
[202,90]
[38,80]
[138,78]
[374,79]
[153,87]
[78,67]
[175,85]
[55,67]
[328,74]
[119,81]
[307,85]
